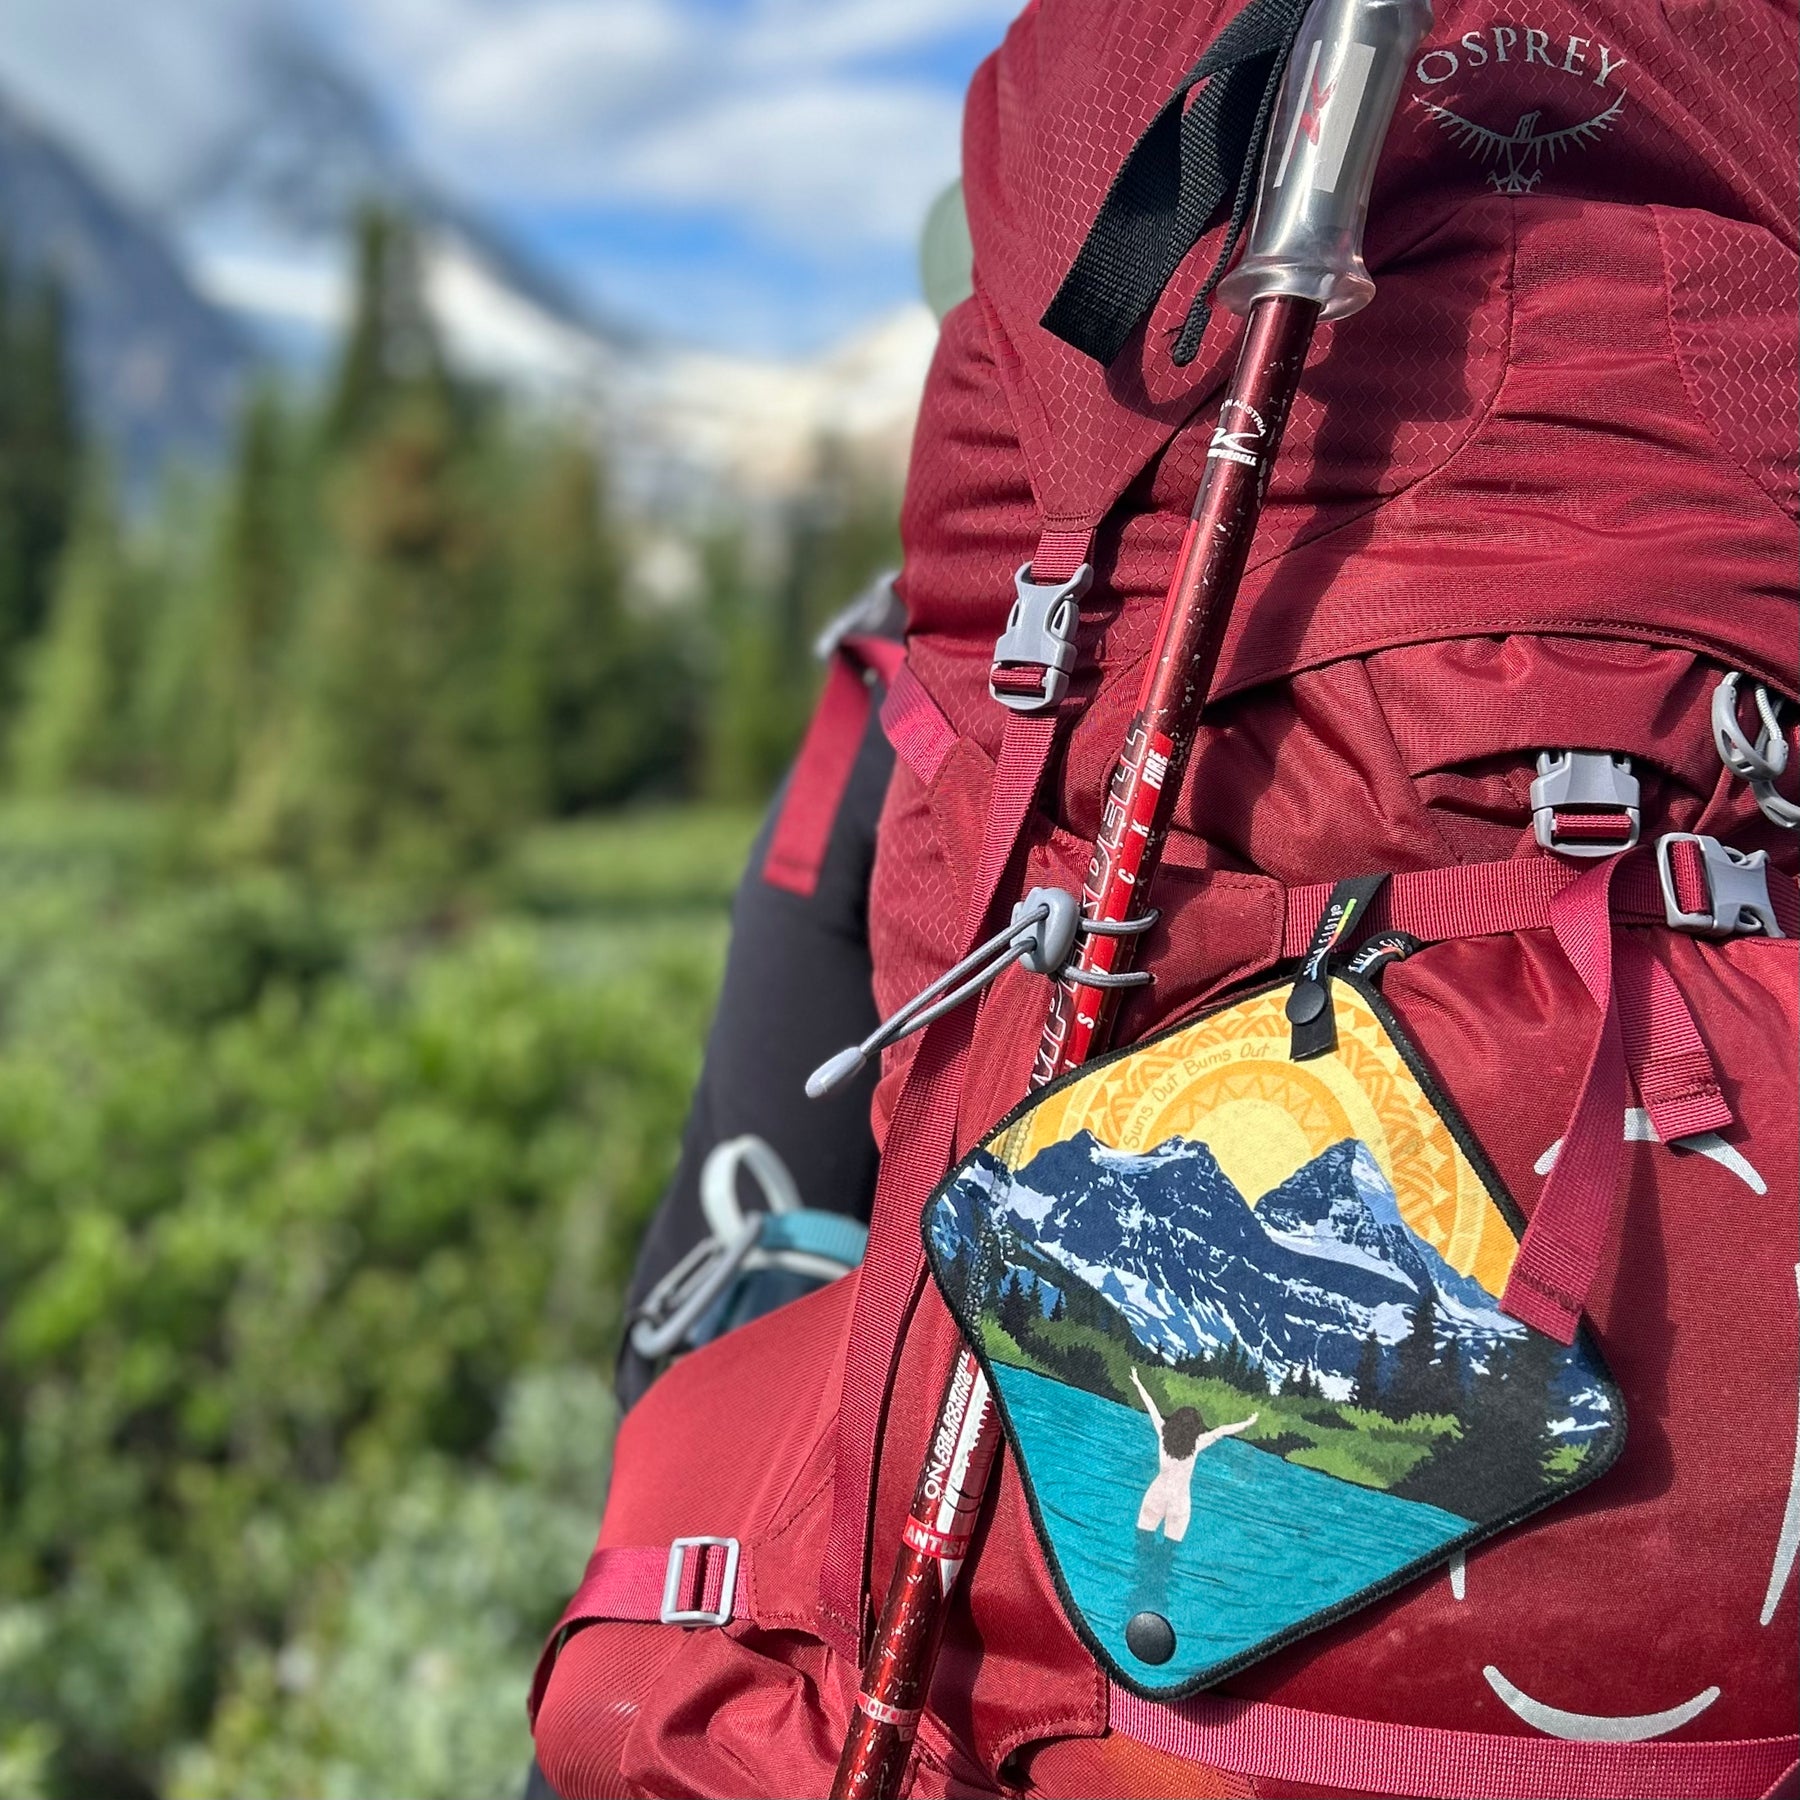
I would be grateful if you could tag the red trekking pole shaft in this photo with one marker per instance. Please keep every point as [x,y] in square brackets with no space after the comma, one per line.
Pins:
[1144,783]
[1304,264]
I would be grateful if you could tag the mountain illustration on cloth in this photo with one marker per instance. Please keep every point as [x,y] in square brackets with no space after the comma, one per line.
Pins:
[1301,1281]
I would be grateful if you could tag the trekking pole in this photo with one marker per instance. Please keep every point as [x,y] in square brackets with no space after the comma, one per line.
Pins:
[1304,263]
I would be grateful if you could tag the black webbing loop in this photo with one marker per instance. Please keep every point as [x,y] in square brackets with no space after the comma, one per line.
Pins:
[1193,167]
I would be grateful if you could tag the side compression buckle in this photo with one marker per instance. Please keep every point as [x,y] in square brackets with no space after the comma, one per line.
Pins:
[1585,802]
[1712,890]
[673,1613]
[1036,651]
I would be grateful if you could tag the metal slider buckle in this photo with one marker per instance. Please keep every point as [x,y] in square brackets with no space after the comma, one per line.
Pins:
[1737,884]
[1590,784]
[698,1615]
[1039,637]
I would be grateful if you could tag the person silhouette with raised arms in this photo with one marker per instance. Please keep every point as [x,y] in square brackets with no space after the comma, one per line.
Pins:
[1179,1440]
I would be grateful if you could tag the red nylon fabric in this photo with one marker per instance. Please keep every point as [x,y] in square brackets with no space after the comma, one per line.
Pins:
[627,1582]
[1481,899]
[920,735]
[827,754]
[1668,1058]
[1538,496]
[1287,1745]
[1559,1255]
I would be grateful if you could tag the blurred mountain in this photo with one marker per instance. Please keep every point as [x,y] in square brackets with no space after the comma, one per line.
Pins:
[249,260]
[265,217]
[158,366]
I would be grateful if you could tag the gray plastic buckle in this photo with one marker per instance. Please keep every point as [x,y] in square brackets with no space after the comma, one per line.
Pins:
[1737,883]
[672,1614]
[875,612]
[1040,634]
[1583,781]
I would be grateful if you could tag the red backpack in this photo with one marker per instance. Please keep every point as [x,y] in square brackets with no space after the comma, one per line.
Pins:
[1539,498]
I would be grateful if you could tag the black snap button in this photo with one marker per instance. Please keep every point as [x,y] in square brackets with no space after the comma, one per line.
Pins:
[1305,1002]
[1150,1637]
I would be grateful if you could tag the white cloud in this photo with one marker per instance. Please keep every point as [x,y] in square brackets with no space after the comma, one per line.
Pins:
[824,32]
[560,68]
[814,125]
[140,88]
[831,163]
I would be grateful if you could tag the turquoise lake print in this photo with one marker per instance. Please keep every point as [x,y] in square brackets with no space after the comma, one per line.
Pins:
[1271,1542]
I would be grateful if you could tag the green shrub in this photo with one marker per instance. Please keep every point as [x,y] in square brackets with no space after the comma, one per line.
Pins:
[315,1234]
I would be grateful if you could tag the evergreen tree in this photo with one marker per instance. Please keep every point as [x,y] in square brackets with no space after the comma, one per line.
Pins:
[765,605]
[391,352]
[1414,1388]
[392,742]
[218,667]
[40,459]
[600,700]
[1017,1310]
[958,1272]
[1059,1309]
[1367,1392]
[71,724]
[1497,1460]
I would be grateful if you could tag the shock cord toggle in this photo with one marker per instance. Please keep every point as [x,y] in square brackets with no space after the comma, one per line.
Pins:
[1041,936]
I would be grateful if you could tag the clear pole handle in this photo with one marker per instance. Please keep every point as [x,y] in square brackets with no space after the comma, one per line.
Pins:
[1337,100]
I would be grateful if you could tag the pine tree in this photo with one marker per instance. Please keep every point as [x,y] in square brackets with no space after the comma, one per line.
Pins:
[1413,1388]
[1368,1390]
[599,699]
[218,670]
[1497,1461]
[70,728]
[40,459]
[1017,1310]
[393,745]
[1059,1309]
[391,352]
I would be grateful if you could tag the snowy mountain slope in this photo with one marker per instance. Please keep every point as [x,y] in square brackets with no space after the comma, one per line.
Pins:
[248,260]
[265,217]
[1301,1280]
[158,366]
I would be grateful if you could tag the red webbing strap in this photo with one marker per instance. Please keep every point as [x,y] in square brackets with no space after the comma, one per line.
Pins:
[1664,1050]
[1646,1026]
[1559,1255]
[910,720]
[1488,899]
[921,1139]
[1367,1756]
[828,753]
[628,1583]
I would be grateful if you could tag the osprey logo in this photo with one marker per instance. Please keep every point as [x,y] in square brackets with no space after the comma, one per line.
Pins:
[1520,154]
[1516,159]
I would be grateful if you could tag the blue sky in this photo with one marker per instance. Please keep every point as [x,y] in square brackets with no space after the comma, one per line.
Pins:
[745,173]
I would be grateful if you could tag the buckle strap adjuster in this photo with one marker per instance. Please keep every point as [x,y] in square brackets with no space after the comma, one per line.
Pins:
[675,1614]
[1734,886]
[1585,803]
[1036,651]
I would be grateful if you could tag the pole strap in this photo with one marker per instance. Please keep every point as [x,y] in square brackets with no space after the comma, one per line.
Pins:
[1194,168]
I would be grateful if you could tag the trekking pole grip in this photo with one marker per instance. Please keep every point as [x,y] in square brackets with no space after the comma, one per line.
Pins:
[1337,101]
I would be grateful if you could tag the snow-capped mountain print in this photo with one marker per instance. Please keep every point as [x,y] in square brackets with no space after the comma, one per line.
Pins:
[1300,1281]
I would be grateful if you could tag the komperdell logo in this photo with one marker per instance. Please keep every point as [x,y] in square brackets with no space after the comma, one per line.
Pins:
[943,1449]
[1236,445]
[1520,151]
